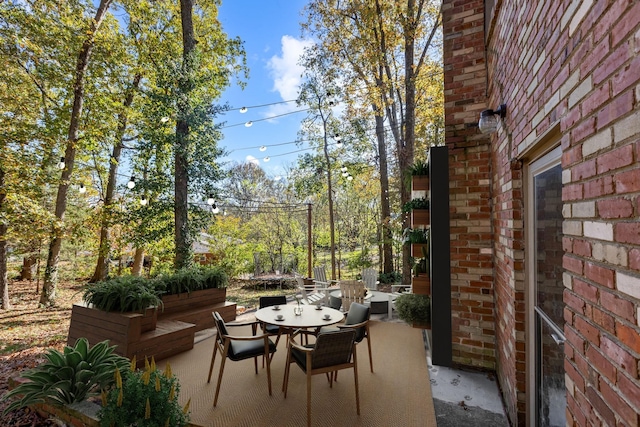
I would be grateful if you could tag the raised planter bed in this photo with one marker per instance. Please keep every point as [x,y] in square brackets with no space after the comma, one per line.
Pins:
[196,307]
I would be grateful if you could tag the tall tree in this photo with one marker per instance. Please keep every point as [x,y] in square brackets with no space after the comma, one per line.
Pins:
[48,294]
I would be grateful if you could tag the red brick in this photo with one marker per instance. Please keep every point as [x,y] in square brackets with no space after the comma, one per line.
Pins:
[629,388]
[634,259]
[584,170]
[628,182]
[618,405]
[617,108]
[619,355]
[572,264]
[600,275]
[573,301]
[575,375]
[609,64]
[604,320]
[582,248]
[572,192]
[585,290]
[626,77]
[598,187]
[629,336]
[615,159]
[627,232]
[601,363]
[621,307]
[587,330]
[600,406]
[615,208]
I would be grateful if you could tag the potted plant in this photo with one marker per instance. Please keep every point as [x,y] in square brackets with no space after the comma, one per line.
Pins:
[419,209]
[414,309]
[419,176]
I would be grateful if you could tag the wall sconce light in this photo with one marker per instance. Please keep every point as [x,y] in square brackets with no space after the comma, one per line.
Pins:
[488,123]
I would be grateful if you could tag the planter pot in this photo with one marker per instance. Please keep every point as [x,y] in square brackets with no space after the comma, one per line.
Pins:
[196,307]
[416,249]
[420,183]
[420,217]
[421,285]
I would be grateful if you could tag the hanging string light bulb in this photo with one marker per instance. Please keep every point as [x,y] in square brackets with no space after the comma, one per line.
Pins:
[243,110]
[131,183]
[82,189]
[164,119]
[263,148]
[215,209]
[266,159]
[349,178]
[144,201]
[61,163]
[248,124]
[211,201]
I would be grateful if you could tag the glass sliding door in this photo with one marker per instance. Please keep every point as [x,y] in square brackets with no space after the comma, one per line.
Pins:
[545,277]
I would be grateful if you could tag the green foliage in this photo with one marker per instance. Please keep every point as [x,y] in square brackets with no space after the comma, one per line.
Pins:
[392,277]
[69,377]
[124,294]
[421,264]
[414,308]
[419,167]
[144,398]
[419,235]
[421,203]
[192,279]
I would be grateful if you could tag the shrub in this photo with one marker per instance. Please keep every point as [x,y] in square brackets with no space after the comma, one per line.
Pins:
[69,377]
[125,293]
[192,279]
[143,398]
[414,308]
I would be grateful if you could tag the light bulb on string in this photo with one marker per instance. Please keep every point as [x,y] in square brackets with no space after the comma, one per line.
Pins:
[263,148]
[343,169]
[339,144]
[243,110]
[211,200]
[82,189]
[61,163]
[164,119]
[266,159]
[248,124]
[215,209]
[345,174]
[131,183]
[349,178]
[143,201]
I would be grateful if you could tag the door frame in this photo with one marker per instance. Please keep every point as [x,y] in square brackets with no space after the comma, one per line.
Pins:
[543,159]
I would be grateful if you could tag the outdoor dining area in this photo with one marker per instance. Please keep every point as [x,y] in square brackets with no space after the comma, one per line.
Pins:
[295,362]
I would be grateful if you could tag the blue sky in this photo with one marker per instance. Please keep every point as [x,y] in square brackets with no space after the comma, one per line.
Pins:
[271,33]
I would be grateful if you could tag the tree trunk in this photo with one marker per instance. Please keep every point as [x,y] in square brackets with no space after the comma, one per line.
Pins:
[387,237]
[102,266]
[138,262]
[183,258]
[47,298]
[5,304]
[29,265]
[332,232]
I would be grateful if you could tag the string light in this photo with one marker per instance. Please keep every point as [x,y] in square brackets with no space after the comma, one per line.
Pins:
[143,201]
[82,189]
[215,209]
[263,148]
[248,124]
[164,119]
[211,201]
[131,183]
[243,110]
[61,164]
[266,159]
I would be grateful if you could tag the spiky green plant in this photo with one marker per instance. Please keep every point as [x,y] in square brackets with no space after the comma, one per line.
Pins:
[144,398]
[70,376]
[125,293]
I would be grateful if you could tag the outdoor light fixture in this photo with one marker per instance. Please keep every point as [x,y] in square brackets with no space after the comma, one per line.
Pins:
[349,178]
[131,183]
[61,164]
[215,209]
[266,159]
[488,122]
[263,148]
[248,124]
[211,200]
[243,110]
[143,201]
[164,119]
[82,189]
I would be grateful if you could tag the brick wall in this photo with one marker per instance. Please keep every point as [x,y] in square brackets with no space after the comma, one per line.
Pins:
[574,65]
[473,315]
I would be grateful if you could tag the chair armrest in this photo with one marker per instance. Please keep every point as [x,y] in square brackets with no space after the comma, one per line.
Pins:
[246,337]
[354,325]
[244,323]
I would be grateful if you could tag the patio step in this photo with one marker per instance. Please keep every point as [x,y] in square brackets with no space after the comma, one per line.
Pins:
[201,317]
[170,337]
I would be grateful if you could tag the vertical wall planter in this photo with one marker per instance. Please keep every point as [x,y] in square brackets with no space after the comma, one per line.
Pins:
[420,183]
[420,218]
[421,284]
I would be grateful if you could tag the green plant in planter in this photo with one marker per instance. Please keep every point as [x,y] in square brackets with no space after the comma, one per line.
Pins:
[124,294]
[420,167]
[72,376]
[414,308]
[144,398]
[421,265]
[417,235]
[193,279]
[421,203]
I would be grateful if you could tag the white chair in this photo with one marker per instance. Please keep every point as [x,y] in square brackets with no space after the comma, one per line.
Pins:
[320,277]
[313,295]
[370,278]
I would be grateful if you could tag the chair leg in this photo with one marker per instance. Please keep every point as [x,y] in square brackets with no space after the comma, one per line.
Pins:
[285,380]
[255,364]
[369,345]
[268,357]
[213,359]
[355,377]
[308,398]
[215,399]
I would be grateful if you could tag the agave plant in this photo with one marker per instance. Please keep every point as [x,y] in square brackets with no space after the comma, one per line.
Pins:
[192,280]
[70,376]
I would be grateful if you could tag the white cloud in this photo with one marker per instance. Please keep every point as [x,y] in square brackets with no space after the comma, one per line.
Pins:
[287,73]
[251,159]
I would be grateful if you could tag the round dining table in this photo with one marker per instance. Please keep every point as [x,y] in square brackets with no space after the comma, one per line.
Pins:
[311,316]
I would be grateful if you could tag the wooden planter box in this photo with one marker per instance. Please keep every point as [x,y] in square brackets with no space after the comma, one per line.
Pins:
[420,183]
[420,217]
[416,249]
[196,307]
[421,285]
